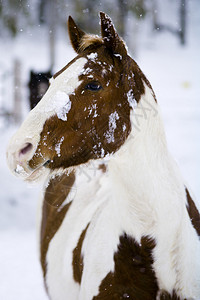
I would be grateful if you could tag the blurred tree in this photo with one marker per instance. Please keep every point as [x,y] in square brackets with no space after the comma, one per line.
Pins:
[122,15]
[42,7]
[47,14]
[12,14]
[86,14]
[180,32]
[183,22]
[136,7]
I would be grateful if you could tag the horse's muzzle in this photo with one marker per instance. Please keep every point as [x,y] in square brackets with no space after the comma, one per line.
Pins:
[18,156]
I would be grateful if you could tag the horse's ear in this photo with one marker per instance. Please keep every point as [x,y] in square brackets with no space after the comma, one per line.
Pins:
[110,36]
[75,34]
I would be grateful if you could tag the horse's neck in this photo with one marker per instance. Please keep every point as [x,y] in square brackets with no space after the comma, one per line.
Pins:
[149,200]
[142,172]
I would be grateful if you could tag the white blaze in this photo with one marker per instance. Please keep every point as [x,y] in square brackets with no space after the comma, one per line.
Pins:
[55,102]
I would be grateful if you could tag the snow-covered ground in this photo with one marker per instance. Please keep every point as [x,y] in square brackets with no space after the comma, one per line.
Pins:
[174,73]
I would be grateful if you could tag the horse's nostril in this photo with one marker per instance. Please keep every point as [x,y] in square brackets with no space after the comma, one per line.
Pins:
[27,148]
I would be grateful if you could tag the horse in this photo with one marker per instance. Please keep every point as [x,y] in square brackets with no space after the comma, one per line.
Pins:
[116,220]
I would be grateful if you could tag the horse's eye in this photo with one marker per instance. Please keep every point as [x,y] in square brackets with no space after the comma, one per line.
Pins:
[93,86]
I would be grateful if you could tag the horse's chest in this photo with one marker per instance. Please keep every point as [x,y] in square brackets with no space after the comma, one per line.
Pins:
[91,253]
[80,253]
[97,252]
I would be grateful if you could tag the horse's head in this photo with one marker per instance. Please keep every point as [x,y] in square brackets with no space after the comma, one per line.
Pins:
[85,114]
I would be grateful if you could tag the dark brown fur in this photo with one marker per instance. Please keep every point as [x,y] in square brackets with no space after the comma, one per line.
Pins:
[52,215]
[78,258]
[103,167]
[167,296]
[133,277]
[193,212]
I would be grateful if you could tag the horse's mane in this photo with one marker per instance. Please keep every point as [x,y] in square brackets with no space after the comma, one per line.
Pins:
[89,40]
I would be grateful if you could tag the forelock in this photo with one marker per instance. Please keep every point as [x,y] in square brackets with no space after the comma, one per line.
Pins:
[90,40]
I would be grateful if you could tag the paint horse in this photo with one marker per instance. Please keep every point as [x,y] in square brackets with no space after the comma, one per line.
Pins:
[116,220]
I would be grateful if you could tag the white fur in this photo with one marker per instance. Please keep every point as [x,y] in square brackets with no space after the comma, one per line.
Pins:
[59,277]
[157,198]
[55,101]
[141,194]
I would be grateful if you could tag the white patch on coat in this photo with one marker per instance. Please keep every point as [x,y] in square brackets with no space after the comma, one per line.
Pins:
[54,102]
[157,201]
[59,278]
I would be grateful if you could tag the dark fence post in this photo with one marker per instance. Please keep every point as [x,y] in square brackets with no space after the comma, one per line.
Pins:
[38,85]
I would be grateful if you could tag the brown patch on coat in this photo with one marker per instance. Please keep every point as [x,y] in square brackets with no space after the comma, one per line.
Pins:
[53,213]
[133,277]
[103,168]
[193,212]
[78,258]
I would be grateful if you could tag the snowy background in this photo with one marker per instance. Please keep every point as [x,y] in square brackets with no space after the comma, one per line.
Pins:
[174,72]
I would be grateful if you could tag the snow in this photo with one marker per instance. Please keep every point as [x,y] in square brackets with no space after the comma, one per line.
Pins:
[118,55]
[124,127]
[112,126]
[102,152]
[62,105]
[20,272]
[173,72]
[92,56]
[58,145]
[131,100]
[93,108]
[86,71]
[19,169]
